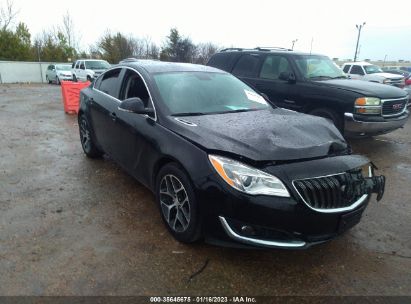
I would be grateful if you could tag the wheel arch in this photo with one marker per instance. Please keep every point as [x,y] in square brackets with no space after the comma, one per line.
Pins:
[334,105]
[160,163]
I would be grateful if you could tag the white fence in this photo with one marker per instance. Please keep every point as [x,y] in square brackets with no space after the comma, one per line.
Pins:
[19,71]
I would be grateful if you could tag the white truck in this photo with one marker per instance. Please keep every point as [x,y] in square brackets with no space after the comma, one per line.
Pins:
[88,69]
[369,72]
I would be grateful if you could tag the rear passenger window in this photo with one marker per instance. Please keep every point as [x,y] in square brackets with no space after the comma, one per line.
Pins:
[109,83]
[246,66]
[223,61]
[273,66]
[356,69]
[346,68]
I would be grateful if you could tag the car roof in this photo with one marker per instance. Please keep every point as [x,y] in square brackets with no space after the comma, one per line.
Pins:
[155,66]
[90,60]
[358,63]
[265,50]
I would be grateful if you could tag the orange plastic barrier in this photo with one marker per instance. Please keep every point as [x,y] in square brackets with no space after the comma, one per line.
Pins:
[71,95]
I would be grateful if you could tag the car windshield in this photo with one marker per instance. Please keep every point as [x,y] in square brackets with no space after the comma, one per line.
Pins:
[371,69]
[318,67]
[200,93]
[63,67]
[97,65]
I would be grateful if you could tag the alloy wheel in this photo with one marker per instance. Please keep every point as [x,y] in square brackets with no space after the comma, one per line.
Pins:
[85,135]
[175,203]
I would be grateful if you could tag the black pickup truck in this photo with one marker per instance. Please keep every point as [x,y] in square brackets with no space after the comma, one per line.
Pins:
[314,84]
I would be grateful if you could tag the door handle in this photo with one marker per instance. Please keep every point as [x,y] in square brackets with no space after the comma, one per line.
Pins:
[113,116]
[91,100]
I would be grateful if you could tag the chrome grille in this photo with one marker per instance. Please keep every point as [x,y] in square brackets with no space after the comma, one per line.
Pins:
[394,81]
[393,107]
[333,192]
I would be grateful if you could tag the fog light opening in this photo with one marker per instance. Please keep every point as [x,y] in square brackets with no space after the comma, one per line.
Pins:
[248,230]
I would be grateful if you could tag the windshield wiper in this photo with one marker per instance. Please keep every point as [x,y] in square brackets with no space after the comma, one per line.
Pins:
[190,114]
[234,111]
[340,77]
[321,77]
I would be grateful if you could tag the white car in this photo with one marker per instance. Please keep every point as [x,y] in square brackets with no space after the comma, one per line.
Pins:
[57,72]
[88,69]
[369,72]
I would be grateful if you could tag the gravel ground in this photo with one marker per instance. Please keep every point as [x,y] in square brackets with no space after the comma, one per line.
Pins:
[74,226]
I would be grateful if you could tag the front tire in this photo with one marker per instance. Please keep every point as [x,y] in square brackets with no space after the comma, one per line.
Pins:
[58,81]
[74,78]
[178,204]
[48,80]
[86,138]
[330,114]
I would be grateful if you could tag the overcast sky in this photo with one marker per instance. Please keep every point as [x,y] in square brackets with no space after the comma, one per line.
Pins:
[330,24]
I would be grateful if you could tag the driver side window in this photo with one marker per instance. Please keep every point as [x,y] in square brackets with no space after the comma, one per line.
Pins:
[356,69]
[273,66]
[133,86]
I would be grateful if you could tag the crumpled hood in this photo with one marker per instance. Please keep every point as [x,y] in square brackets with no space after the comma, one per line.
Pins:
[265,135]
[366,88]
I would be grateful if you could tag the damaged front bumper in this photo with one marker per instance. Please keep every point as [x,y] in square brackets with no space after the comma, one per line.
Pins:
[238,220]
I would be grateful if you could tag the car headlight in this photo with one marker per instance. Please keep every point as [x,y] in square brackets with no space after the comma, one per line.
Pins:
[246,179]
[368,105]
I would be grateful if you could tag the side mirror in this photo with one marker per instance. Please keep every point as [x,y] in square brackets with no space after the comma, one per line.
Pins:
[287,76]
[135,105]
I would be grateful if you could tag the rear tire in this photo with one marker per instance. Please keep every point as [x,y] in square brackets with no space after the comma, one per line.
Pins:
[58,81]
[178,204]
[89,78]
[86,138]
[330,114]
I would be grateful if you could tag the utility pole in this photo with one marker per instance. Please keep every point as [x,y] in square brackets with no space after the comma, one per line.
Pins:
[359,28]
[311,47]
[293,42]
[41,71]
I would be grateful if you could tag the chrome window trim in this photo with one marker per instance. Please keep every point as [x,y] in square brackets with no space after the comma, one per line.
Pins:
[333,210]
[251,241]
[394,99]
[118,100]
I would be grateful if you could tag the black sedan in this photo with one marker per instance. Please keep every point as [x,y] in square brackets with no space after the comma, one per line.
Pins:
[225,164]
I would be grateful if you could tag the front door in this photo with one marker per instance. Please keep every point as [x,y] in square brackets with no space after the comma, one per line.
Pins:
[133,130]
[281,92]
[103,109]
[357,72]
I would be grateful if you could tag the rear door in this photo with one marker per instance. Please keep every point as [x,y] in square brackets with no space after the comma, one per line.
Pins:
[103,109]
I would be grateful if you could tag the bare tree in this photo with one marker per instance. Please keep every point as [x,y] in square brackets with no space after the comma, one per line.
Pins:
[204,52]
[7,15]
[68,29]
